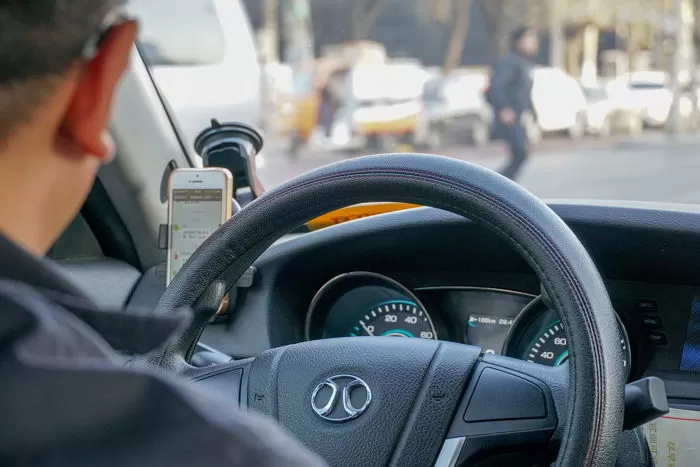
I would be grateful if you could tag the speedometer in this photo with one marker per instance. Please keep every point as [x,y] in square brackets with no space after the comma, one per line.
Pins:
[395,318]
[549,348]
[538,336]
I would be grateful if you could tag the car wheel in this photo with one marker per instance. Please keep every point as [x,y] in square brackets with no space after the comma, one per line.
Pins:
[635,125]
[605,128]
[578,131]
[386,143]
[480,133]
[532,128]
[434,138]
[296,146]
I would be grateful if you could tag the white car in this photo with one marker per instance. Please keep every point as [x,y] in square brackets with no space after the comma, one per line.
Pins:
[650,93]
[457,110]
[604,117]
[202,56]
[559,103]
[647,91]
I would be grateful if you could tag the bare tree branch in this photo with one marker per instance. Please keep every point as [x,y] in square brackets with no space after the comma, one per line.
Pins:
[493,12]
[460,29]
[441,10]
[364,16]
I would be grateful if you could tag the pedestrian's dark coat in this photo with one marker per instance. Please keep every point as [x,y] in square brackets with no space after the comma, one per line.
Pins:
[511,84]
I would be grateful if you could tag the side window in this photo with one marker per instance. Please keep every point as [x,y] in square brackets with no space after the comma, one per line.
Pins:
[179,32]
[303,83]
[77,242]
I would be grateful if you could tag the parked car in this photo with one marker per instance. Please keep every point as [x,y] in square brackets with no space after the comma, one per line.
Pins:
[559,104]
[604,117]
[383,106]
[457,111]
[650,92]
[646,91]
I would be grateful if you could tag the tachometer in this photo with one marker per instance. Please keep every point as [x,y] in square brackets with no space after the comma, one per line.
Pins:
[395,318]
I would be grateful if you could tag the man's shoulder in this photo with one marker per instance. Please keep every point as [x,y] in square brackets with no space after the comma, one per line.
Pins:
[503,65]
[89,414]
[509,57]
[71,401]
[513,59]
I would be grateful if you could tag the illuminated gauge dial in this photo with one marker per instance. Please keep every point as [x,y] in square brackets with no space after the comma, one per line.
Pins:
[538,336]
[395,318]
[550,347]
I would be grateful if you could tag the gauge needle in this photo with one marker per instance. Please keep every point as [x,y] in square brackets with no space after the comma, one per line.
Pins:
[367,329]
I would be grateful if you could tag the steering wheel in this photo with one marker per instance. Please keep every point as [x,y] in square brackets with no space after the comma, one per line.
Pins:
[383,401]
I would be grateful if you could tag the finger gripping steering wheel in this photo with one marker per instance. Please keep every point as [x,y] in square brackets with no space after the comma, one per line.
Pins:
[431,403]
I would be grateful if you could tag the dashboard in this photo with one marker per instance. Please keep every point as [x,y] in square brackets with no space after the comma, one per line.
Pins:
[660,325]
[424,273]
[458,281]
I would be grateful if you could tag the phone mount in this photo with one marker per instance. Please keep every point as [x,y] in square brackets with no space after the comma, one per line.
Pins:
[233,146]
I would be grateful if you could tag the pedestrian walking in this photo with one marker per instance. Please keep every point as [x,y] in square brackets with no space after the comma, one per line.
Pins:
[510,97]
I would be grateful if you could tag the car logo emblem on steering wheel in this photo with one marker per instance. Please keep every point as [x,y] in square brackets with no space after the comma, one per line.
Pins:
[352,392]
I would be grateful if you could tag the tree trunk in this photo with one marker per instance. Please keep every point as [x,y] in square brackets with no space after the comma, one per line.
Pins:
[497,27]
[441,10]
[364,15]
[460,28]
[271,27]
[557,37]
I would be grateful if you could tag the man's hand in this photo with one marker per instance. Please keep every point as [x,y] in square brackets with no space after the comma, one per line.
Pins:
[507,116]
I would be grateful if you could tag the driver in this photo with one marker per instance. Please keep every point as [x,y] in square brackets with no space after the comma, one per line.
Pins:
[65,396]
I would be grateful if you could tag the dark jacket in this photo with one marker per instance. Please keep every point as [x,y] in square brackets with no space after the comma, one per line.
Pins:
[66,398]
[511,84]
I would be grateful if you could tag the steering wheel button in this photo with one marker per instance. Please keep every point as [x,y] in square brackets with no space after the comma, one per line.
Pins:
[646,306]
[499,396]
[657,338]
[651,322]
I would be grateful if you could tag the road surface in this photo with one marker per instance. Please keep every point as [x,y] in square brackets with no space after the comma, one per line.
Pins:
[650,168]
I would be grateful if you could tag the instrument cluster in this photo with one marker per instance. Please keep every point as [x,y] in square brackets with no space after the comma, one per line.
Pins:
[511,323]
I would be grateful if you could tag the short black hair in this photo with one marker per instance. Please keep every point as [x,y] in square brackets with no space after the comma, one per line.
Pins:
[518,34]
[39,40]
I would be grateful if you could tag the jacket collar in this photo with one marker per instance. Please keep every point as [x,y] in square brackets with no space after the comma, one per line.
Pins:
[19,265]
[131,331]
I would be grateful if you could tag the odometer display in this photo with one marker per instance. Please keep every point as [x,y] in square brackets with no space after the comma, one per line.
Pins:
[395,318]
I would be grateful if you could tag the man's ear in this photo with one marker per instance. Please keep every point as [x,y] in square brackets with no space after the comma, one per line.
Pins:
[88,113]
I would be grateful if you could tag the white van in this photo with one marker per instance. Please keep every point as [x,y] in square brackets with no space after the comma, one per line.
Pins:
[203,58]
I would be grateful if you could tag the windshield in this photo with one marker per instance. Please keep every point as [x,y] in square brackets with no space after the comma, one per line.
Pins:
[606,112]
[646,85]
[594,93]
[303,82]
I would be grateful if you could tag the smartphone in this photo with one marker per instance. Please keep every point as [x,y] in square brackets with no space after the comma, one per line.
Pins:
[199,201]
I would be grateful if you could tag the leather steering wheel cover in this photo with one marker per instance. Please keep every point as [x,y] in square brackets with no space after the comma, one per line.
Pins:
[593,421]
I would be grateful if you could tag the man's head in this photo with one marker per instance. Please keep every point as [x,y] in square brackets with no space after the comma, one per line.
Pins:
[525,41]
[60,63]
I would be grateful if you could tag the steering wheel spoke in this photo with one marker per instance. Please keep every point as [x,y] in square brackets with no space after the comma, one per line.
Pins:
[228,380]
[396,395]
[413,401]
[509,406]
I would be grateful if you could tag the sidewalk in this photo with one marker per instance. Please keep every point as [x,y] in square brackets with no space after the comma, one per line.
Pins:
[660,140]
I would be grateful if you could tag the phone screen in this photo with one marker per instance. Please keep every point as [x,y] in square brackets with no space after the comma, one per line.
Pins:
[196,214]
